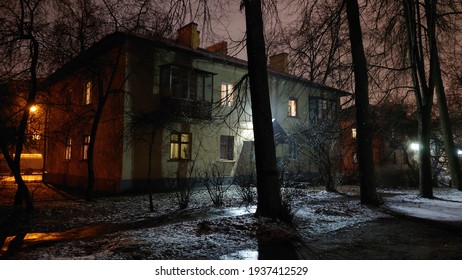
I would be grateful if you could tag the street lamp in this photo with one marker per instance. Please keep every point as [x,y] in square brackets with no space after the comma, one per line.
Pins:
[33,109]
[414,146]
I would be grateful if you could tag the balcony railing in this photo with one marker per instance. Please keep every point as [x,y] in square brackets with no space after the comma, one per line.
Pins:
[187,108]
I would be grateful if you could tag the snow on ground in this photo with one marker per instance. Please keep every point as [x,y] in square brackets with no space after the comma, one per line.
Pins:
[203,231]
[445,207]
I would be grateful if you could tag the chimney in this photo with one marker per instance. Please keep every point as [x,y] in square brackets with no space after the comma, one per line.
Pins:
[219,48]
[279,62]
[188,36]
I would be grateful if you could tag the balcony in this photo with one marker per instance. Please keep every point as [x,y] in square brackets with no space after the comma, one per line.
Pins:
[187,108]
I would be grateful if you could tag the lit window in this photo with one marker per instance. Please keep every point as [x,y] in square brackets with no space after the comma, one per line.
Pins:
[87,93]
[292,107]
[86,145]
[180,146]
[353,133]
[68,149]
[227,95]
[226,147]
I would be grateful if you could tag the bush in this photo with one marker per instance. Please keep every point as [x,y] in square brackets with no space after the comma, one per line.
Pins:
[214,180]
[246,185]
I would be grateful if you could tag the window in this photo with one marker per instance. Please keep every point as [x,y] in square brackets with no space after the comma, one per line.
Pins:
[227,95]
[180,146]
[68,149]
[186,83]
[87,93]
[292,107]
[353,133]
[293,151]
[320,108]
[226,147]
[86,145]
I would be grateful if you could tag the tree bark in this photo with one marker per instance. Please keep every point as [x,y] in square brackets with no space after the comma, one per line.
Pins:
[450,150]
[268,185]
[363,117]
[423,94]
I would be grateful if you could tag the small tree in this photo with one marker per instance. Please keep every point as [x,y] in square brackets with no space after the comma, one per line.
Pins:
[213,178]
[319,140]
[183,185]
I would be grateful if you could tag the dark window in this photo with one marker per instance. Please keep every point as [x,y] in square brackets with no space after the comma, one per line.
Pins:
[321,108]
[227,147]
[186,83]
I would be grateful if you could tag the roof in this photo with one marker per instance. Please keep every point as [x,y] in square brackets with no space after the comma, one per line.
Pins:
[117,38]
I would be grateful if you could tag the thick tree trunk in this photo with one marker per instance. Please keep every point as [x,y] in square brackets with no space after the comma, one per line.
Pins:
[363,119]
[423,94]
[268,185]
[425,166]
[451,153]
[91,150]
[449,146]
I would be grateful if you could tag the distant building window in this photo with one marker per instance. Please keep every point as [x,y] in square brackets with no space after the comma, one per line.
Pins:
[353,133]
[292,107]
[87,93]
[68,149]
[86,145]
[355,158]
[227,95]
[226,147]
[293,155]
[180,146]
[321,108]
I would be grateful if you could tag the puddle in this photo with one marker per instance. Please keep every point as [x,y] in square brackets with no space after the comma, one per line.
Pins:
[10,245]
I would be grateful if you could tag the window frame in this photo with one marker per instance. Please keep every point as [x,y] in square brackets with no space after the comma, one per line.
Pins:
[85,147]
[227,95]
[187,83]
[290,107]
[178,145]
[322,108]
[293,151]
[227,147]
[87,92]
[68,149]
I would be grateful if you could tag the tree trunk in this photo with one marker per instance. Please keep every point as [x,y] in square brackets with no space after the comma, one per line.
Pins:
[425,166]
[268,185]
[450,150]
[91,147]
[363,119]
[423,94]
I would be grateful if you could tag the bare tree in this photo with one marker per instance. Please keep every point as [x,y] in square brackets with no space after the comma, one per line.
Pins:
[320,142]
[268,188]
[363,116]
[19,41]
[436,74]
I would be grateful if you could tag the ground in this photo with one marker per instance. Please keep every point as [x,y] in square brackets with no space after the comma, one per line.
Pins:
[325,226]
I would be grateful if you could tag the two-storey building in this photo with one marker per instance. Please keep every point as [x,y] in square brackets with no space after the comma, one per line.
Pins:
[170,109]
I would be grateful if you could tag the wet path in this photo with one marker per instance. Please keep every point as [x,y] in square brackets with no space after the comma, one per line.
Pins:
[13,244]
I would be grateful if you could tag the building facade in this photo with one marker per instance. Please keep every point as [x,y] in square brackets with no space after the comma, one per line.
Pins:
[168,109]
